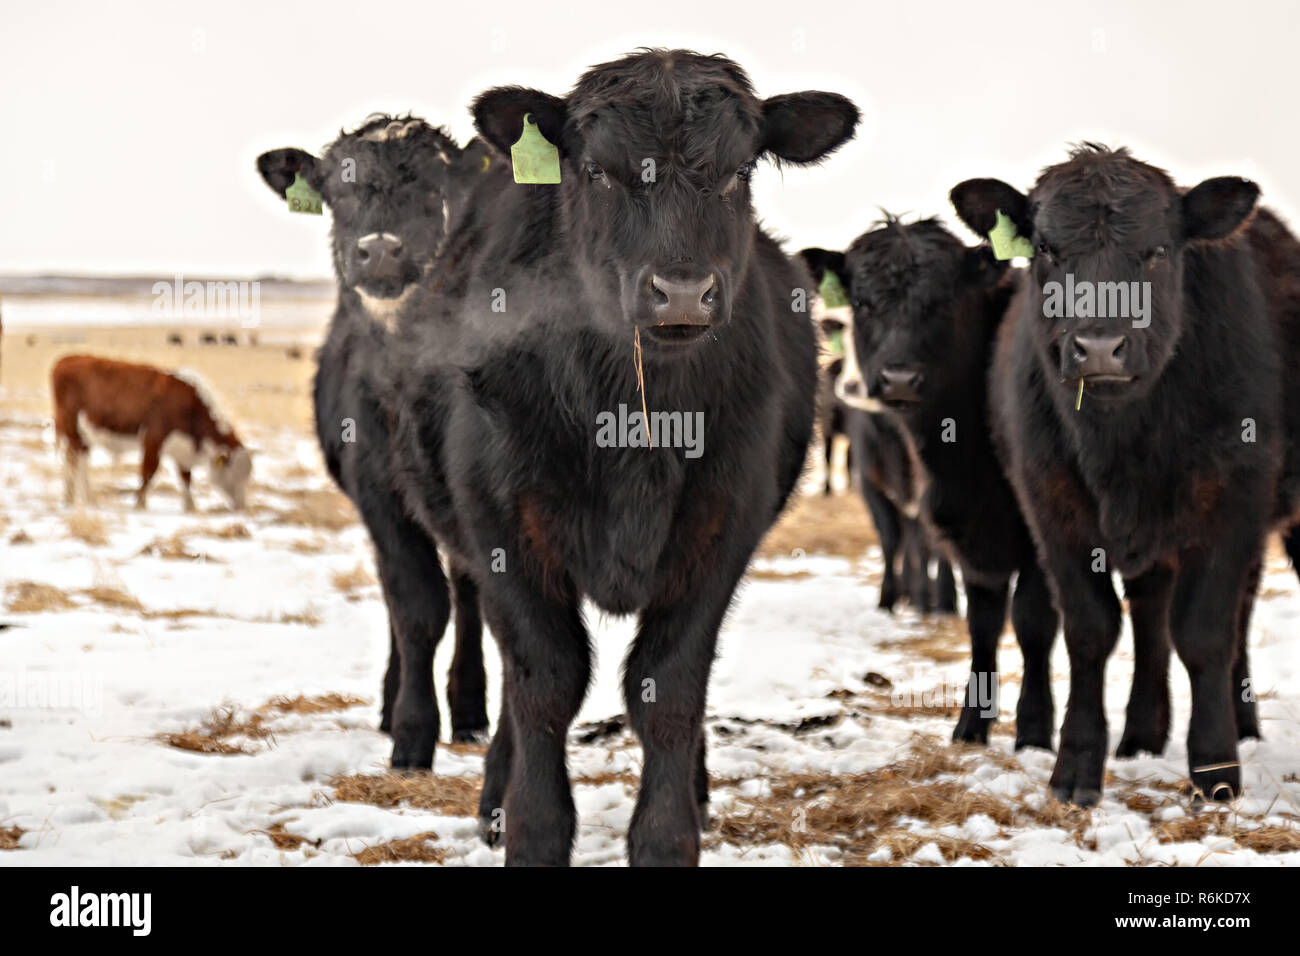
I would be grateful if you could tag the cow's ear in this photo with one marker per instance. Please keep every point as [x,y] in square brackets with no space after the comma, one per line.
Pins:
[279,167]
[1217,207]
[499,116]
[804,127]
[819,261]
[978,202]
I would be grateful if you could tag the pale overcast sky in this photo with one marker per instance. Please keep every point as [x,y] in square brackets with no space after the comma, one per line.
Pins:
[130,129]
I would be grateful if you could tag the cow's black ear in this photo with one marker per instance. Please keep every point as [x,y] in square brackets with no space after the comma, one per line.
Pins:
[819,260]
[1217,207]
[279,167]
[978,202]
[804,127]
[499,116]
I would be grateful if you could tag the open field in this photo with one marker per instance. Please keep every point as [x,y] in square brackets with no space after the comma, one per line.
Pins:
[205,688]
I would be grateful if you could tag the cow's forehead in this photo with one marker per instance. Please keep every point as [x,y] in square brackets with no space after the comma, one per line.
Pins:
[698,105]
[1102,199]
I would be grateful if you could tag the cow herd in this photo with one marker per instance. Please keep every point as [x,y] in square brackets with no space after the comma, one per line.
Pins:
[1124,403]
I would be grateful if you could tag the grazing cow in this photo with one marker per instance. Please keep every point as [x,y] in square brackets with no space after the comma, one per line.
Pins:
[119,405]
[1138,397]
[925,312]
[632,272]
[885,471]
[394,187]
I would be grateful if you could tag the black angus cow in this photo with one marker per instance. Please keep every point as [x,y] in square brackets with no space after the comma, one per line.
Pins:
[640,275]
[885,471]
[396,186]
[926,310]
[1147,428]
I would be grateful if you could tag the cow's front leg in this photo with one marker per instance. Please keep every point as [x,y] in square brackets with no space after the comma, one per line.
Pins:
[1091,612]
[148,467]
[1205,615]
[547,664]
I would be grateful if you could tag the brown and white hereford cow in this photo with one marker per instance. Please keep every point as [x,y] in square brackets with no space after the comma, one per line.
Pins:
[120,405]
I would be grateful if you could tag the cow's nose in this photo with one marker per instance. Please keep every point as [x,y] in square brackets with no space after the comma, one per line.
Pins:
[380,255]
[1098,355]
[901,384]
[684,301]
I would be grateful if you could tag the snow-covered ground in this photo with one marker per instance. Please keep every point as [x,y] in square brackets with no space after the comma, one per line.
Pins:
[824,712]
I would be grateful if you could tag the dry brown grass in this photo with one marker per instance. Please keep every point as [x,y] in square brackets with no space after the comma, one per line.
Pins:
[282,839]
[836,525]
[112,597]
[31,597]
[313,705]
[453,796]
[87,527]
[9,837]
[324,509]
[175,548]
[349,582]
[231,730]
[416,849]
[215,733]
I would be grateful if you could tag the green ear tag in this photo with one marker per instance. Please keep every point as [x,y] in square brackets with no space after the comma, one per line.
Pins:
[1006,242]
[837,342]
[302,198]
[832,291]
[536,160]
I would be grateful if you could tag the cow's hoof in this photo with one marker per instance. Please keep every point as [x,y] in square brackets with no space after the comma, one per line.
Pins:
[1084,797]
[1218,784]
[972,728]
[474,735]
[1135,742]
[489,832]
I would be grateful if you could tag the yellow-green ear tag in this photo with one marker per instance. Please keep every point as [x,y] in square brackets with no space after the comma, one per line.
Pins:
[1006,242]
[302,198]
[837,342]
[832,291]
[535,158]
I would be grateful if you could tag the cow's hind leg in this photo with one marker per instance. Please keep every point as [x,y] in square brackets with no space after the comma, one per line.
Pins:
[1146,724]
[986,613]
[887,521]
[467,680]
[1036,622]
[392,680]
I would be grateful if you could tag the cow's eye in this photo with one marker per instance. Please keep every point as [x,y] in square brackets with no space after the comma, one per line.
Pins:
[596,172]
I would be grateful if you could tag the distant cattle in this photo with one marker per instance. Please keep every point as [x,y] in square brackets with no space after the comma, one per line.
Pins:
[884,470]
[121,406]
[1147,427]
[632,269]
[393,212]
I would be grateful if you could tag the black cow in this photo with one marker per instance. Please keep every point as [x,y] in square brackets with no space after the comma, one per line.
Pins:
[396,187]
[926,311]
[885,471]
[1149,431]
[641,275]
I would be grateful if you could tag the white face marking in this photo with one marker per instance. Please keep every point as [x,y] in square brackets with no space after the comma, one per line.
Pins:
[385,311]
[852,374]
